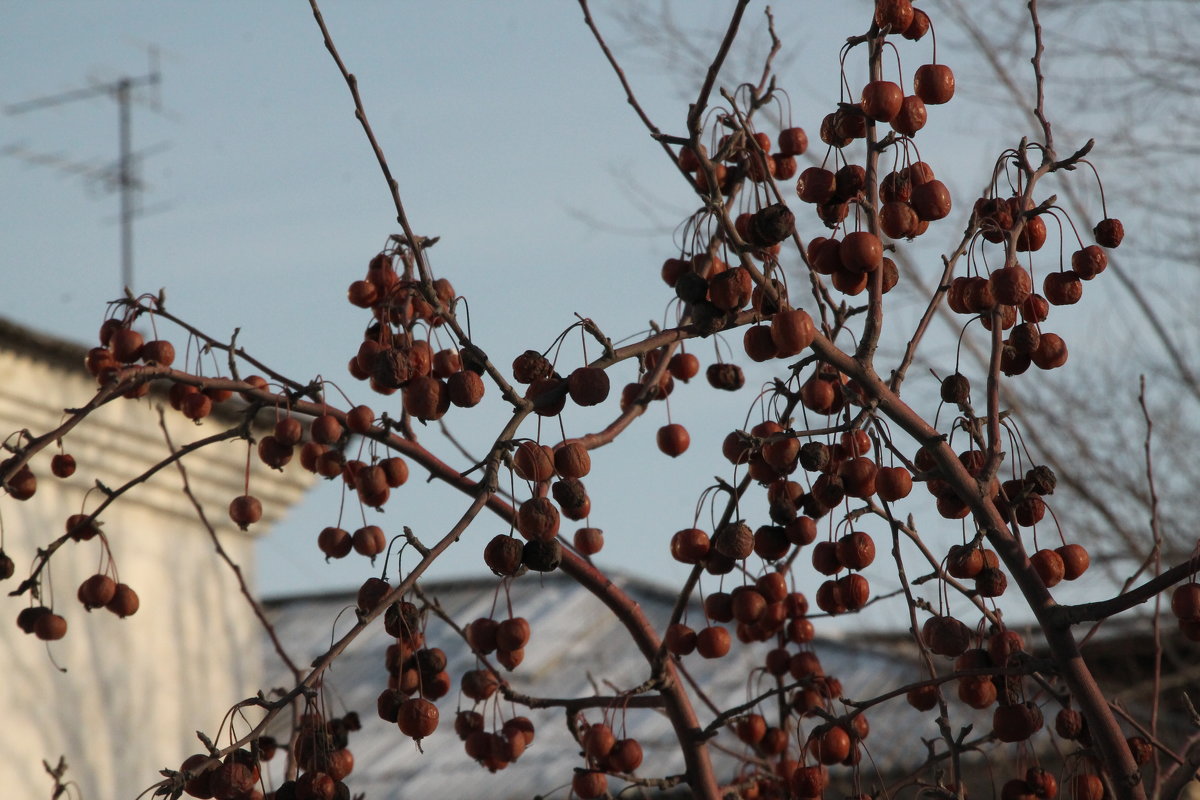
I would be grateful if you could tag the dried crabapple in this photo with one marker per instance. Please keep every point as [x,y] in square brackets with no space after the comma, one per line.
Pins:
[533,461]
[784,167]
[334,542]
[369,541]
[758,344]
[426,398]
[726,376]
[125,601]
[792,332]
[245,510]
[1051,351]
[1032,236]
[683,366]
[466,389]
[855,550]
[512,634]
[588,386]
[1075,560]
[158,351]
[196,406]
[713,642]
[542,555]
[731,290]
[1185,601]
[589,541]
[1089,261]
[325,429]
[1049,566]
[922,698]
[815,185]
[918,27]
[934,83]
[893,483]
[881,100]
[126,345]
[588,784]
[417,718]
[911,117]
[771,225]
[896,15]
[572,460]
[1062,288]
[359,419]
[690,546]
[538,518]
[793,141]
[861,251]
[49,627]
[548,396]
[97,591]
[62,465]
[1109,232]
[931,200]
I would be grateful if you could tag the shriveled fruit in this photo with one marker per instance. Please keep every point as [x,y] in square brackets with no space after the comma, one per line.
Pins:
[588,386]
[533,461]
[417,718]
[542,555]
[571,460]
[503,554]
[538,518]
[1109,232]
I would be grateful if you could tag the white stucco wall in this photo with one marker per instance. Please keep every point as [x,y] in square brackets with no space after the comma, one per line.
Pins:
[134,690]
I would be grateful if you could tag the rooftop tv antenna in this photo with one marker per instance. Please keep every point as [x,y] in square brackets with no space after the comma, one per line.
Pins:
[125,176]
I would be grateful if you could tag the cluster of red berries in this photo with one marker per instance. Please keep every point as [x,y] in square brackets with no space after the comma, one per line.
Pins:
[321,751]
[98,591]
[494,750]
[604,753]
[392,357]
[416,673]
[827,744]
[1008,292]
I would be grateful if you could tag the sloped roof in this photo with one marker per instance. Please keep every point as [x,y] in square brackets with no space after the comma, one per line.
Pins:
[577,649]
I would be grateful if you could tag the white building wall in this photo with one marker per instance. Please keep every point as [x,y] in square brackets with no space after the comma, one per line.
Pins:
[134,691]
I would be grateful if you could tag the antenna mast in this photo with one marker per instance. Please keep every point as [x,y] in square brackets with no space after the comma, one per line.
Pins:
[127,182]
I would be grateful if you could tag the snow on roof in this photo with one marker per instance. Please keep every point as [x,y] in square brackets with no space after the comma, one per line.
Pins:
[578,648]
